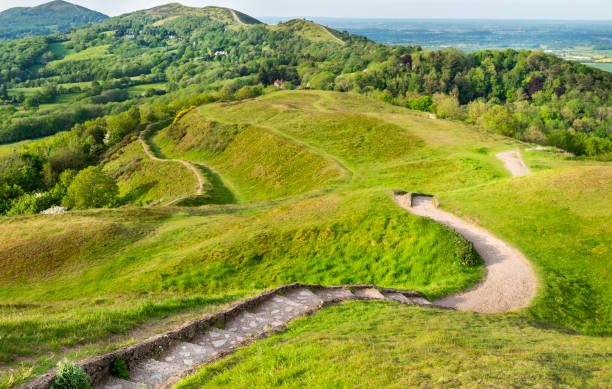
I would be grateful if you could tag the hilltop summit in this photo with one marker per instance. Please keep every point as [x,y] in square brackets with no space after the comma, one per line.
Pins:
[172,11]
[49,18]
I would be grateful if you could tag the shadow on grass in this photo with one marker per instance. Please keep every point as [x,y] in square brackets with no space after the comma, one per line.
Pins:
[219,194]
[136,193]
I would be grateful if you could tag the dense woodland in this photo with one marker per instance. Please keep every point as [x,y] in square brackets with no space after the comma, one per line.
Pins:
[104,81]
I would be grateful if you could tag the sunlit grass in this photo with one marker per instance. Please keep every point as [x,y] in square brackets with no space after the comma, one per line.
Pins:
[386,345]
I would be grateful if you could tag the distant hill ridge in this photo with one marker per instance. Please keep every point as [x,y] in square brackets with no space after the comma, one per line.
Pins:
[49,18]
[173,10]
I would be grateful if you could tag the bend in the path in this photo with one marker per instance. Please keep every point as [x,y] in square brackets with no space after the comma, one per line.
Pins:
[147,150]
[514,163]
[509,282]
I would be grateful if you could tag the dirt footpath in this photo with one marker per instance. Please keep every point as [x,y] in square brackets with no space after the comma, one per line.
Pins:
[509,283]
[514,163]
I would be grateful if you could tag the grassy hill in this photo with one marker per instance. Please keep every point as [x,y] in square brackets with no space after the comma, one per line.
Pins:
[56,16]
[168,12]
[309,30]
[317,209]
[261,164]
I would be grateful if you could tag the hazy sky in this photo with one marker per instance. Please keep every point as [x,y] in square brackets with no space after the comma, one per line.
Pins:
[496,9]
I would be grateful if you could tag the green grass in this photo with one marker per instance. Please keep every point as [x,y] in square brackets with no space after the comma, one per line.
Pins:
[10,148]
[143,181]
[138,90]
[95,269]
[96,52]
[385,345]
[60,50]
[260,164]
[307,29]
[27,92]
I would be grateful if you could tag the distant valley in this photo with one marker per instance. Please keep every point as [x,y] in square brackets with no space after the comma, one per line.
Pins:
[588,42]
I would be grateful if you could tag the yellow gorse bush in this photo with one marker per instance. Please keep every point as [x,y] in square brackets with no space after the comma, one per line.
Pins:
[183,113]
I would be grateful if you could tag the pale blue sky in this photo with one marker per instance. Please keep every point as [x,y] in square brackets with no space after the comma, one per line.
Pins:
[405,9]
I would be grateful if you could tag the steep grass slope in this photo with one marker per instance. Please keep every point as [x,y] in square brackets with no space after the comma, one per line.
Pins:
[191,261]
[309,30]
[562,220]
[168,12]
[260,164]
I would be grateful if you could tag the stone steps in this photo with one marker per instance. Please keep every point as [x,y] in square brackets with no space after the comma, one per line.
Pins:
[276,310]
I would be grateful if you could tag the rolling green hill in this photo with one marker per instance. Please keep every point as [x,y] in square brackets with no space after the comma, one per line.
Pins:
[56,16]
[166,13]
[324,215]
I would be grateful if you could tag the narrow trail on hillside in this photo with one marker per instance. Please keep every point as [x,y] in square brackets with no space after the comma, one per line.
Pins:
[514,163]
[332,35]
[236,18]
[147,150]
[509,282]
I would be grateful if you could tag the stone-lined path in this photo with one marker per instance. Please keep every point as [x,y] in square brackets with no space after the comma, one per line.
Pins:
[509,283]
[162,360]
[185,358]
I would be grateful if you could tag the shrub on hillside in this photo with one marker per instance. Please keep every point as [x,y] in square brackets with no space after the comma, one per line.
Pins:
[69,376]
[31,203]
[91,188]
[119,368]
[465,251]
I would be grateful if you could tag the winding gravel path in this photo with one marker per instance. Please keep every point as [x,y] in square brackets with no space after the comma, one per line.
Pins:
[509,283]
[514,163]
[147,150]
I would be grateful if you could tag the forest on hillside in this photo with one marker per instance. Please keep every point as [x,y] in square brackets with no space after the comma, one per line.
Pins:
[101,82]
[54,17]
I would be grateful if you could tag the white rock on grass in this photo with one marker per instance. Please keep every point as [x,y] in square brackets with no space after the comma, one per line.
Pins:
[54,210]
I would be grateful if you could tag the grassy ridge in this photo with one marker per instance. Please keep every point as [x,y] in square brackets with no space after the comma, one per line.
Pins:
[458,164]
[376,345]
[323,215]
[260,164]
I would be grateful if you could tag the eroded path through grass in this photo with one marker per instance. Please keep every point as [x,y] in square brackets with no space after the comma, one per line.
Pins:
[188,165]
[514,163]
[509,283]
